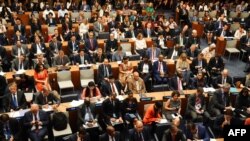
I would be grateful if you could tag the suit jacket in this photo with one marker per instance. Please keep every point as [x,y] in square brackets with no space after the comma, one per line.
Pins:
[111,45]
[105,137]
[171,51]
[21,100]
[88,45]
[217,25]
[76,45]
[82,111]
[52,22]
[86,59]
[112,24]
[133,87]
[217,101]
[149,52]
[134,135]
[97,59]
[52,47]
[34,49]
[195,62]
[194,55]
[15,64]
[155,68]
[107,89]
[74,137]
[24,50]
[22,30]
[28,117]
[191,40]
[212,63]
[192,100]
[21,38]
[140,67]
[228,80]
[167,136]
[243,41]
[202,133]
[68,36]
[129,34]
[44,62]
[51,99]
[101,71]
[227,33]
[145,33]
[97,27]
[57,60]
[177,40]
[109,109]
[118,18]
[13,127]
[174,83]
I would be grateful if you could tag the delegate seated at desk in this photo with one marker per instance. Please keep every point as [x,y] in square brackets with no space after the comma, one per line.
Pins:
[47,97]
[90,91]
[136,84]
[160,71]
[61,59]
[82,58]
[20,63]
[118,55]
[111,86]
[19,49]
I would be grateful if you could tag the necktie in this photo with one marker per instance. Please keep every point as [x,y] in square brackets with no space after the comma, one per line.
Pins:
[179,84]
[153,54]
[137,86]
[159,67]
[56,49]
[91,44]
[107,71]
[61,60]
[45,100]
[224,99]
[36,124]
[140,137]
[113,87]
[15,101]
[21,66]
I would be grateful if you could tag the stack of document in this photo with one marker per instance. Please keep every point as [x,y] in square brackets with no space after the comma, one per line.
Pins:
[76,103]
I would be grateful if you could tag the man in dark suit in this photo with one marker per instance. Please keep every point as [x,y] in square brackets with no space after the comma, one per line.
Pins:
[20,63]
[104,71]
[9,128]
[199,64]
[139,133]
[110,134]
[40,60]
[82,58]
[112,25]
[245,42]
[15,99]
[86,114]
[119,18]
[36,122]
[196,107]
[153,52]
[111,46]
[197,132]
[160,71]
[50,20]
[223,78]
[220,100]
[99,56]
[145,69]
[184,14]
[192,52]
[70,33]
[73,47]
[215,65]
[173,134]
[112,110]
[177,82]
[174,53]
[19,37]
[19,49]
[224,32]
[47,97]
[91,44]
[193,40]
[148,31]
[180,40]
[4,61]
[84,6]
[19,26]
[81,135]
[111,86]
[37,48]
[54,46]
[61,59]
[131,33]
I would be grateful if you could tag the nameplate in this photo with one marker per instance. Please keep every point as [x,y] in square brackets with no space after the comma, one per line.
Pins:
[72,109]
[146,98]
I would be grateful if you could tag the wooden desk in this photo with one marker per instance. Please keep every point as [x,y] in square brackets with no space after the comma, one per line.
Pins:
[220,46]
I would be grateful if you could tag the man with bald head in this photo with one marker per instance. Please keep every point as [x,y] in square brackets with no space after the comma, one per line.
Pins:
[160,70]
[223,78]
[36,122]
[193,40]
[139,133]
[110,135]
[136,84]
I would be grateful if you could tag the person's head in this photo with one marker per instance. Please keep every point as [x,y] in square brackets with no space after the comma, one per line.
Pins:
[82,133]
[244,92]
[228,114]
[212,47]
[18,21]
[34,108]
[173,130]
[73,38]
[4,118]
[130,94]
[183,56]
[45,90]
[39,67]
[13,87]
[91,35]
[55,31]
[131,27]
[199,75]
[139,126]
[192,127]
[40,58]
[225,27]
[37,39]
[226,87]
[110,131]
[194,33]
[99,51]
[111,36]
[248,33]
[91,85]
[224,73]
[81,52]
[54,39]
[18,43]
[149,25]
[161,57]
[199,91]
[18,33]
[136,76]
[99,19]
[176,121]
[200,56]
[145,58]
[139,36]
[175,95]
[125,59]
[158,105]
[113,96]
[61,53]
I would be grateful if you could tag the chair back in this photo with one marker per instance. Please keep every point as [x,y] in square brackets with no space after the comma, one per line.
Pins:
[63,76]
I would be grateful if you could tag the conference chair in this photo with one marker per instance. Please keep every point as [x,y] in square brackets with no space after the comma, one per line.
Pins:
[231,48]
[64,80]
[127,48]
[86,76]
[74,16]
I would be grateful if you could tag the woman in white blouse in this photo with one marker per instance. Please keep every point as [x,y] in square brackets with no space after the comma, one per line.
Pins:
[182,66]
[84,28]
[239,33]
[140,45]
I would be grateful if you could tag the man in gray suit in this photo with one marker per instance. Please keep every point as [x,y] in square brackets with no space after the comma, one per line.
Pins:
[118,55]
[98,26]
[61,59]
[20,63]
[153,52]
[19,49]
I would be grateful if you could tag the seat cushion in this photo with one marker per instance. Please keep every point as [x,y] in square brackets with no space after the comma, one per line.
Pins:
[233,50]
[65,84]
[64,132]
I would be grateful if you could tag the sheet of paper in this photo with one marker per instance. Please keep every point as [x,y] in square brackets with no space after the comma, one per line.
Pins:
[86,126]
[48,109]
[76,103]
[28,96]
